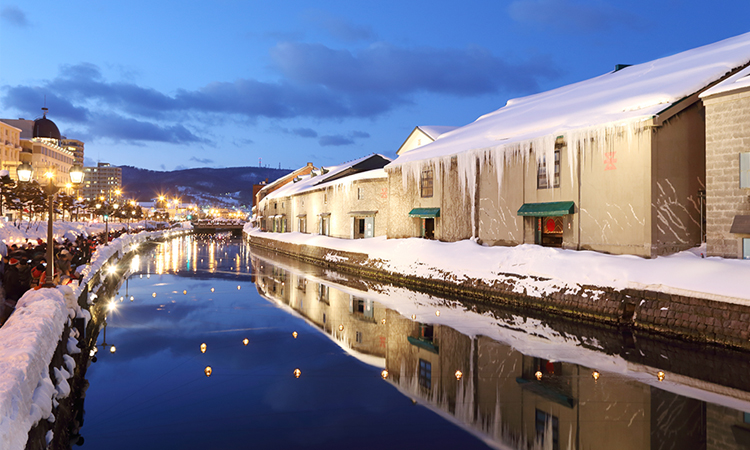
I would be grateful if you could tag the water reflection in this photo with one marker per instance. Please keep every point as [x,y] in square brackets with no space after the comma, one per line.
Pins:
[271,378]
[523,382]
[154,392]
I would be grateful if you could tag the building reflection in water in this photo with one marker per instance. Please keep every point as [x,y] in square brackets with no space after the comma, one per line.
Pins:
[508,398]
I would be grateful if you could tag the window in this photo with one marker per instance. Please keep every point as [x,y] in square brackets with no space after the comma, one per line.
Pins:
[323,293]
[745,248]
[358,337]
[325,199]
[425,374]
[547,424]
[302,224]
[541,181]
[745,170]
[360,193]
[426,183]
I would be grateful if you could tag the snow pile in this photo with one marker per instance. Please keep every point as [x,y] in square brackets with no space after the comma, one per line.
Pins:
[27,343]
[544,270]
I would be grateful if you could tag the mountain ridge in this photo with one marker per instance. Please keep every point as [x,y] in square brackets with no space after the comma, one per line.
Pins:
[230,186]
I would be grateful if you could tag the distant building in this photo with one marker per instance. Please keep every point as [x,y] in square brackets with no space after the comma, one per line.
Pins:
[10,148]
[41,146]
[101,181]
[75,146]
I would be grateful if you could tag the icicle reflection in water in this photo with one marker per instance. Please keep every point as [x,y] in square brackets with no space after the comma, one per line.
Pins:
[501,388]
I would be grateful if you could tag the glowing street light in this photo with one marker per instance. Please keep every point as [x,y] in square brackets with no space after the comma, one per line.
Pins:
[208,371]
[203,347]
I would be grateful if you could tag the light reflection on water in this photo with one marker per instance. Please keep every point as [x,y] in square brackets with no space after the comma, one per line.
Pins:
[366,353]
[153,392]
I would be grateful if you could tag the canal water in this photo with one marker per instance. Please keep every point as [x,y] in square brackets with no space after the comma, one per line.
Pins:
[305,357]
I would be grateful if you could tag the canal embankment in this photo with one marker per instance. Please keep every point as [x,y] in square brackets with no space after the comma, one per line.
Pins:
[686,297]
[46,345]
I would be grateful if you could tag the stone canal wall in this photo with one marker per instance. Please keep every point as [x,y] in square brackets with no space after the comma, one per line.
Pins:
[675,316]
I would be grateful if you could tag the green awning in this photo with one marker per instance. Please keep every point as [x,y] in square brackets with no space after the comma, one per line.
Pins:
[429,346]
[424,212]
[547,209]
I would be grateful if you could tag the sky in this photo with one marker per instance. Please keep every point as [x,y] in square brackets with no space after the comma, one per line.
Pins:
[236,83]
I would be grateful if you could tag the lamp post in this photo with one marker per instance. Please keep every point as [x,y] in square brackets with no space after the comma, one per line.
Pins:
[76,176]
[105,208]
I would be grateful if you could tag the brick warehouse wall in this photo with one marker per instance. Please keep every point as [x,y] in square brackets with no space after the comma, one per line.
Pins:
[727,134]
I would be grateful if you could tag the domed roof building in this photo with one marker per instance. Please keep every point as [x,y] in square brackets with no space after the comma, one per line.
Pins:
[45,128]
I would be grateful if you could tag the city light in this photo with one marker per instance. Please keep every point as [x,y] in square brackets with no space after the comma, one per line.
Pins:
[384,374]
[203,347]
[208,371]
[596,375]
[246,341]
[459,375]
[297,373]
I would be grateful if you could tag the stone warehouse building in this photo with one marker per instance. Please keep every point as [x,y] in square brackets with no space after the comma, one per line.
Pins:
[613,164]
[348,201]
[728,167]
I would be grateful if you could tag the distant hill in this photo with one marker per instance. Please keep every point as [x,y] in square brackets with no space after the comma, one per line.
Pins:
[232,186]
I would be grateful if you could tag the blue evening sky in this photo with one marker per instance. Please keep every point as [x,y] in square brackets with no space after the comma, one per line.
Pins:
[170,85]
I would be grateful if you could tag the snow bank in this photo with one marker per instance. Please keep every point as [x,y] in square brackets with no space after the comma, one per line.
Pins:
[684,273]
[30,336]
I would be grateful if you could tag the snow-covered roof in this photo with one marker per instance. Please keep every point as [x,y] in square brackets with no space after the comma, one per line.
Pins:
[629,95]
[308,182]
[739,80]
[434,131]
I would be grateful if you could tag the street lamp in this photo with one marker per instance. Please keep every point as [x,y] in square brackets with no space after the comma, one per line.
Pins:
[106,209]
[76,177]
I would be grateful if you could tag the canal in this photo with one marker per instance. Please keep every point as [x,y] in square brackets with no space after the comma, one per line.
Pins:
[304,357]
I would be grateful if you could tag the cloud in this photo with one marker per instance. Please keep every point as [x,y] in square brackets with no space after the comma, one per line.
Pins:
[301,132]
[335,140]
[315,82]
[202,161]
[389,70]
[13,15]
[340,28]
[576,15]
[121,128]
[339,139]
